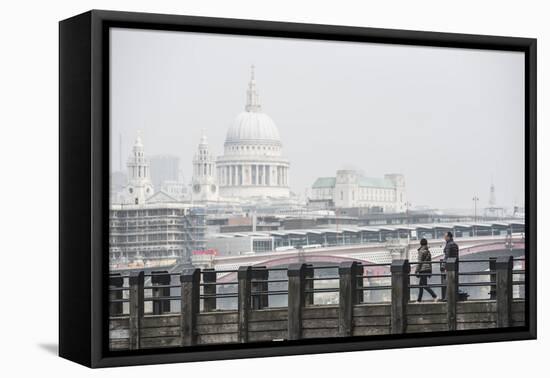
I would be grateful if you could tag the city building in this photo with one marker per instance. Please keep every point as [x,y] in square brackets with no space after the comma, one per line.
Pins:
[139,186]
[204,184]
[349,189]
[238,244]
[253,164]
[159,229]
[176,189]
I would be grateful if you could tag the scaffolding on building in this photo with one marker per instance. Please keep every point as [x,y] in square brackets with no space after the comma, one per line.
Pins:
[151,233]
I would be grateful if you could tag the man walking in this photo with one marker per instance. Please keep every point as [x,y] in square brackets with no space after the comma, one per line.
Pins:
[450,250]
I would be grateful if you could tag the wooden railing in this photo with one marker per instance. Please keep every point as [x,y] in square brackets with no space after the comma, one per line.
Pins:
[194,316]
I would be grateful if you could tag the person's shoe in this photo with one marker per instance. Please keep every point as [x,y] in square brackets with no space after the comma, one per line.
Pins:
[435,299]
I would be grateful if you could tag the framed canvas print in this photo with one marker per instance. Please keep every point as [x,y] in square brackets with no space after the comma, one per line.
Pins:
[236,188]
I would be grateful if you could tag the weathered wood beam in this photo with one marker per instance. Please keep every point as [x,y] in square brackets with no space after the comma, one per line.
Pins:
[190,305]
[360,283]
[452,291]
[504,266]
[493,277]
[296,299]
[309,272]
[399,295]
[136,308]
[244,276]
[348,294]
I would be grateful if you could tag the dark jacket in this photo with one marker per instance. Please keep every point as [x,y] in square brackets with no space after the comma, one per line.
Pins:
[424,256]
[451,249]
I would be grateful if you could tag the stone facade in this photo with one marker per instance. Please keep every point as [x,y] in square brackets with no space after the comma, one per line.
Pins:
[350,188]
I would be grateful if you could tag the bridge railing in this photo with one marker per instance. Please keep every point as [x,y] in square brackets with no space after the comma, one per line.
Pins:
[217,294]
[139,295]
[158,290]
[378,282]
[118,294]
[438,281]
[161,294]
[220,289]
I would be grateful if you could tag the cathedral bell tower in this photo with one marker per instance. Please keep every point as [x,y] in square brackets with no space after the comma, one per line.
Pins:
[204,183]
[139,186]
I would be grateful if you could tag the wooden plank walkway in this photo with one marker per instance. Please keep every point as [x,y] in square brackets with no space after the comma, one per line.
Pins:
[254,321]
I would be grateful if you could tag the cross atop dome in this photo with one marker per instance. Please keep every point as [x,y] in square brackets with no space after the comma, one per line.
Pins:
[252,98]
[138,141]
[204,139]
[138,145]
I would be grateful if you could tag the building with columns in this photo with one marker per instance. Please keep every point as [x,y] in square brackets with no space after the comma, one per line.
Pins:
[204,184]
[252,164]
[139,186]
[350,188]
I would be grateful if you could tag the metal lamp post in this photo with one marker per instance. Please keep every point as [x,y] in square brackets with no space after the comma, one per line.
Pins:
[475,199]
[407,205]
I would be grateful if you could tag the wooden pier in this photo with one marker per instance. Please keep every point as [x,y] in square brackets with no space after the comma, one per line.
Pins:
[198,321]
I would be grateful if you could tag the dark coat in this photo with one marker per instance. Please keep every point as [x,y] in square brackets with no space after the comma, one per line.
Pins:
[424,256]
[451,249]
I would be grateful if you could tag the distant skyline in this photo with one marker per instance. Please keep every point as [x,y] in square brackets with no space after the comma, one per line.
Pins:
[450,120]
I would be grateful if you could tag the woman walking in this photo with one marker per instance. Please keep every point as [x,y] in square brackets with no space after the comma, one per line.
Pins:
[424,270]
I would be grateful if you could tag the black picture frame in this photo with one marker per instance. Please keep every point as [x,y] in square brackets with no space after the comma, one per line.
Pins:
[84,177]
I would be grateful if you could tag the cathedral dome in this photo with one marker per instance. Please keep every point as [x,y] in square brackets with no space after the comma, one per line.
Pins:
[253,127]
[253,165]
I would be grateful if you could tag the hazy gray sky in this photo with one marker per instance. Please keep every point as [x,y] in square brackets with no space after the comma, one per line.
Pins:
[450,120]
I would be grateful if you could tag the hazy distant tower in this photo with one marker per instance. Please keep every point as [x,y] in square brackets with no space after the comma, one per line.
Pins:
[493,210]
[204,184]
[139,186]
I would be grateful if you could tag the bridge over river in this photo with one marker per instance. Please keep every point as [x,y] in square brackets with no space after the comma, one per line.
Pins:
[367,252]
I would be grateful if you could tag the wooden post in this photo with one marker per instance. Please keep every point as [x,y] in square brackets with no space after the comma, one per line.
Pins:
[452,291]
[209,276]
[359,282]
[264,286]
[259,273]
[136,308]
[493,277]
[190,305]
[160,278]
[296,298]
[115,282]
[244,276]
[399,295]
[348,294]
[309,272]
[504,265]
[443,269]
